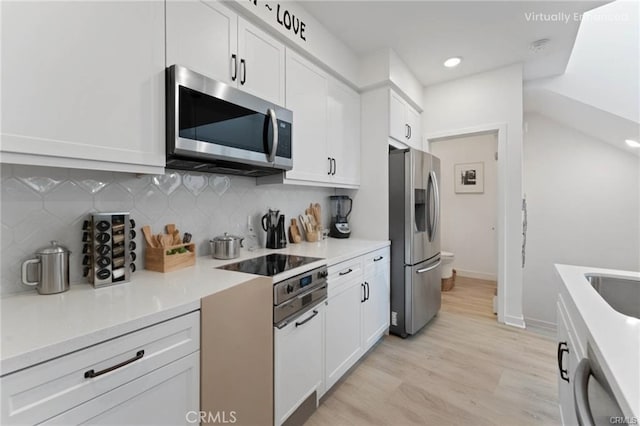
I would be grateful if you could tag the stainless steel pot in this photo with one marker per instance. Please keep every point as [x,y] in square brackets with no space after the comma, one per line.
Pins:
[52,265]
[225,246]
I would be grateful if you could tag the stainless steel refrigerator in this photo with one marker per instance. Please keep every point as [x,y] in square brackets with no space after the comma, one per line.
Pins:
[414,221]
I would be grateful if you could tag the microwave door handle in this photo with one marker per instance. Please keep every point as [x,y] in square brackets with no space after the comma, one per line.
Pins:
[274,123]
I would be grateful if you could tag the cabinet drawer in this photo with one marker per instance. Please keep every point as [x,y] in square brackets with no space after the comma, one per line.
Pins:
[343,274]
[38,393]
[377,259]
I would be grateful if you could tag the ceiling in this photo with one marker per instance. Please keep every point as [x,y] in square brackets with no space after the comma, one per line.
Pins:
[487,34]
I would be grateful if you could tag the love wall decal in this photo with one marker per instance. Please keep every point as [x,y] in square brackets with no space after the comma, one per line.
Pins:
[287,19]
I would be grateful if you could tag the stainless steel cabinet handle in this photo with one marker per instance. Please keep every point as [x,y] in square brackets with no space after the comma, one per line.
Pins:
[562,349]
[243,68]
[92,373]
[430,268]
[368,293]
[379,258]
[330,165]
[364,293]
[409,137]
[580,393]
[335,167]
[274,123]
[234,67]
[298,324]
[346,272]
[406,132]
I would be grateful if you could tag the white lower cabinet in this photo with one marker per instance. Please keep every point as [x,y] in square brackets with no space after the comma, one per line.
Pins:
[298,362]
[375,309]
[343,328]
[166,396]
[569,355]
[150,376]
[357,311]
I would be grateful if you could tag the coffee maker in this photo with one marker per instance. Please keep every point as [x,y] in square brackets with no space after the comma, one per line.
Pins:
[340,210]
[273,224]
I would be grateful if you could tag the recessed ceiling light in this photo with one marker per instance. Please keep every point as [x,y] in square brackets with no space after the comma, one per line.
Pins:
[453,62]
[632,143]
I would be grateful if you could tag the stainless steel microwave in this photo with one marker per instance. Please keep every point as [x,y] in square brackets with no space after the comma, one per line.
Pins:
[213,127]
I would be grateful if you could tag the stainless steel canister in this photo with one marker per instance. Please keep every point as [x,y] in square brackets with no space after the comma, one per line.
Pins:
[52,269]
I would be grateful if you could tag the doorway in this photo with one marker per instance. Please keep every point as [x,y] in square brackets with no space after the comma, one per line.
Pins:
[469,211]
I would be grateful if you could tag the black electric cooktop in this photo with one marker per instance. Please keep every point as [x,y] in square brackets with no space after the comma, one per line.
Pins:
[270,264]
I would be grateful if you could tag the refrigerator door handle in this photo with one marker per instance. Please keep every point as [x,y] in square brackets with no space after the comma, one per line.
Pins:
[436,194]
[430,268]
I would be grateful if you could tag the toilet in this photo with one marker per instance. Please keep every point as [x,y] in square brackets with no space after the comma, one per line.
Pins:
[448,277]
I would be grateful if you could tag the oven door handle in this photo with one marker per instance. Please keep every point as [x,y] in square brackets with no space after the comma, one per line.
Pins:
[298,324]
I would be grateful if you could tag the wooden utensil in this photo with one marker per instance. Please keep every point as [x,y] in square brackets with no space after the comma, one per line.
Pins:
[176,237]
[170,228]
[146,232]
[167,240]
[294,232]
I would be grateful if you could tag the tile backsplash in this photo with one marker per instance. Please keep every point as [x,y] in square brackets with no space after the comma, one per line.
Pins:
[40,204]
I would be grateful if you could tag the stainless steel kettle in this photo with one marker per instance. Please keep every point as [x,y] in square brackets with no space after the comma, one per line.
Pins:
[52,265]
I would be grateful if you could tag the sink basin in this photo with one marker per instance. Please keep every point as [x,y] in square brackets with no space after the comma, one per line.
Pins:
[622,294]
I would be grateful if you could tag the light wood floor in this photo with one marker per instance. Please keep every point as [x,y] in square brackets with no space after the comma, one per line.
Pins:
[463,368]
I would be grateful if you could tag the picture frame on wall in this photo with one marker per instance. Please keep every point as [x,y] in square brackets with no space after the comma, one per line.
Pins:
[469,178]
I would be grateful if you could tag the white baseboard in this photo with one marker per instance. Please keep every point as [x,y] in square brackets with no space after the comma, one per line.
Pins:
[476,275]
[514,321]
[542,327]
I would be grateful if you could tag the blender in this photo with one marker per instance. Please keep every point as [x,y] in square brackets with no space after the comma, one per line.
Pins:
[340,211]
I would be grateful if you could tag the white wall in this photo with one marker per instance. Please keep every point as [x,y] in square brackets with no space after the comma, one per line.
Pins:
[604,68]
[493,97]
[584,209]
[469,221]
[40,204]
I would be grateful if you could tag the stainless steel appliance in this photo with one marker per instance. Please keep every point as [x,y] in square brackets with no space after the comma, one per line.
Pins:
[295,296]
[225,246]
[212,127]
[109,248]
[273,224]
[52,266]
[340,216]
[414,213]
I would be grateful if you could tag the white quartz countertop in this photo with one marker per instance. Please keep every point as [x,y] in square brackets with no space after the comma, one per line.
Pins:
[36,327]
[613,337]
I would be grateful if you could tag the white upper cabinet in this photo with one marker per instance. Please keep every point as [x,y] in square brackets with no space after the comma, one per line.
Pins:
[83,85]
[404,121]
[212,28]
[261,66]
[344,133]
[307,91]
[326,128]
[211,39]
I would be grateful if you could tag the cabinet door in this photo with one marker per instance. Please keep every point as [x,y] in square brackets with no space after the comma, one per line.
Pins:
[165,396]
[375,310]
[343,331]
[261,69]
[415,126]
[307,91]
[566,361]
[343,108]
[84,81]
[398,117]
[297,362]
[202,37]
